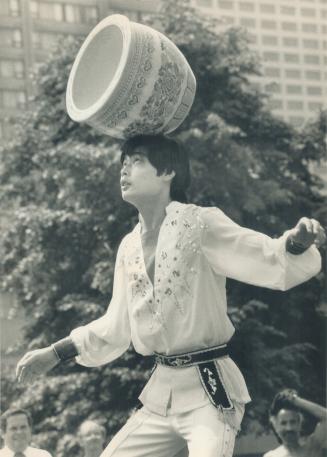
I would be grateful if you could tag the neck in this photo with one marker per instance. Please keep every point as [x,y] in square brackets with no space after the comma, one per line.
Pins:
[292,447]
[93,452]
[152,213]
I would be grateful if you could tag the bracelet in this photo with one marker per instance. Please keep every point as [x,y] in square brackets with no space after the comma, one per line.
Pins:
[55,351]
[65,349]
[293,247]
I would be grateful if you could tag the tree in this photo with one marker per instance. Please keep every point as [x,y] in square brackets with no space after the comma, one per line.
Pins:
[58,251]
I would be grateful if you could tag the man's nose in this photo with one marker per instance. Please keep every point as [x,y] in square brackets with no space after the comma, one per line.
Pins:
[124,170]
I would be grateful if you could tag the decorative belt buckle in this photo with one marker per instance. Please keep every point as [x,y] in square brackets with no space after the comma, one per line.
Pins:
[181,361]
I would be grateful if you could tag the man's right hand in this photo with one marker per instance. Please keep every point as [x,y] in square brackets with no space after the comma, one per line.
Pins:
[35,363]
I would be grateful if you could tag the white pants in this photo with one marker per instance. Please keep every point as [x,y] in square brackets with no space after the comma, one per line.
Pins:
[197,433]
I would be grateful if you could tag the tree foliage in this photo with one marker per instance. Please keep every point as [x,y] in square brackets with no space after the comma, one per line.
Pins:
[60,181]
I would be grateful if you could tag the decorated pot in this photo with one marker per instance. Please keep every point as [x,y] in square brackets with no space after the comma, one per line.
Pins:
[129,79]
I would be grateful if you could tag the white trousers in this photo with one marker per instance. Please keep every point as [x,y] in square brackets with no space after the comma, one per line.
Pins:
[197,433]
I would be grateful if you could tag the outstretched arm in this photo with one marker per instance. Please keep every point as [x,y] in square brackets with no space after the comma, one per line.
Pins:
[254,258]
[290,396]
[97,343]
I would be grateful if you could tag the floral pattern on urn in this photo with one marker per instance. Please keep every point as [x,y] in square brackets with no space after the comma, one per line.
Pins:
[129,79]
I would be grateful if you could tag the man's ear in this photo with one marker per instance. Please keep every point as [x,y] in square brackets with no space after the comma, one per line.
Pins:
[169,176]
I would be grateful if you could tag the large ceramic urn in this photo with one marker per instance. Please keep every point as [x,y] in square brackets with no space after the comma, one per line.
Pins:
[129,79]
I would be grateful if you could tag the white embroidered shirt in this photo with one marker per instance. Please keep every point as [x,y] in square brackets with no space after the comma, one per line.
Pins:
[185,309]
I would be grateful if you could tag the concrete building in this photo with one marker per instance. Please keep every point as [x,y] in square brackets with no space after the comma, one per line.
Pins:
[291,38]
[29,29]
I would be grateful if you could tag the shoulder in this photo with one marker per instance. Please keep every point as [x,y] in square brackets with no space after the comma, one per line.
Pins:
[280,451]
[36,452]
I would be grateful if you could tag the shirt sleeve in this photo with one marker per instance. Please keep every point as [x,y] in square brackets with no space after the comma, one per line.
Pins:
[108,337]
[252,257]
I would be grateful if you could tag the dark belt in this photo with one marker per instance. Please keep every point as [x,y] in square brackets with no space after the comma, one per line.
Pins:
[208,370]
[192,358]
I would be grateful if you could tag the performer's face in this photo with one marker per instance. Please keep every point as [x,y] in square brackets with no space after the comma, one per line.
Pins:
[18,433]
[92,438]
[288,426]
[139,179]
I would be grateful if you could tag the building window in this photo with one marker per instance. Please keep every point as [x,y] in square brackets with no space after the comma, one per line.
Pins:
[273,88]
[270,40]
[292,89]
[228,19]
[13,99]
[309,28]
[271,56]
[314,75]
[247,22]
[91,15]
[72,14]
[47,11]
[314,90]
[271,25]
[272,72]
[276,104]
[294,74]
[10,38]
[287,10]
[297,121]
[311,59]
[246,6]
[308,12]
[311,44]
[314,106]
[12,69]
[14,7]
[44,40]
[289,26]
[290,41]
[291,58]
[294,105]
[226,4]
[204,3]
[267,8]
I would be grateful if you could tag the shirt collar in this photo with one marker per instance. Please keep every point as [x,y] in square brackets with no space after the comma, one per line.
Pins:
[172,206]
[11,453]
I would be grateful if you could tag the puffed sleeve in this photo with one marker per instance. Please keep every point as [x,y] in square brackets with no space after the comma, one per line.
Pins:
[252,257]
[108,337]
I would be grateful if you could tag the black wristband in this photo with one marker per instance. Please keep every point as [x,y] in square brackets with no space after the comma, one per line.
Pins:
[65,349]
[294,248]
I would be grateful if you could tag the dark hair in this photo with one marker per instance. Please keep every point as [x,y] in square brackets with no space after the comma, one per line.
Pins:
[14,412]
[280,402]
[166,155]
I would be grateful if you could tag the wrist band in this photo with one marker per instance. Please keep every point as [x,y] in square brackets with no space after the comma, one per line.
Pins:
[65,349]
[293,247]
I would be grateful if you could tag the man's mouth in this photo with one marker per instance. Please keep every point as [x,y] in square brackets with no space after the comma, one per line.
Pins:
[124,184]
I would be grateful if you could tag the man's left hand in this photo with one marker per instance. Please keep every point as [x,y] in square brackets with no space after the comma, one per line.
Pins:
[307,232]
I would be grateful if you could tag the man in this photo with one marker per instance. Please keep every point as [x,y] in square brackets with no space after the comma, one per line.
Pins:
[286,420]
[91,438]
[169,299]
[16,427]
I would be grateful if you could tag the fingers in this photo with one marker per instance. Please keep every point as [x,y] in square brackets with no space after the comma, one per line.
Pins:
[305,225]
[26,368]
[21,365]
[320,233]
[310,231]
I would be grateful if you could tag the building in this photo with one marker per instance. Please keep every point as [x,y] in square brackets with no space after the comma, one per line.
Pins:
[291,38]
[29,29]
